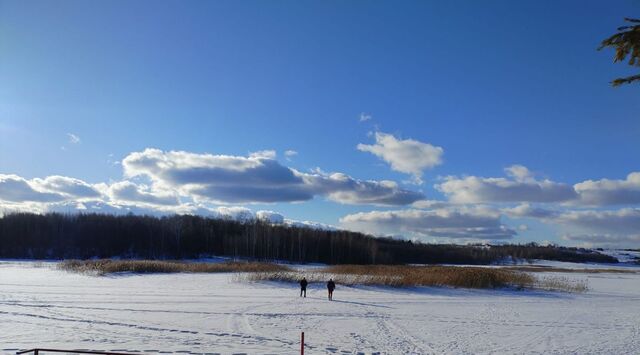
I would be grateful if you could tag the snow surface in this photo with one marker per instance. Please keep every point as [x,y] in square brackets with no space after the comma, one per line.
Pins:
[624,256]
[217,313]
[568,265]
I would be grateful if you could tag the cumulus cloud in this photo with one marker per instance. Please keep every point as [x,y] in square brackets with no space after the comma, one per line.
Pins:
[122,208]
[161,183]
[521,188]
[610,192]
[71,187]
[263,154]
[406,156]
[245,214]
[220,178]
[309,224]
[430,204]
[526,210]
[604,240]
[257,178]
[14,188]
[128,192]
[344,189]
[605,228]
[188,183]
[69,195]
[519,173]
[611,228]
[270,216]
[624,221]
[458,223]
[235,213]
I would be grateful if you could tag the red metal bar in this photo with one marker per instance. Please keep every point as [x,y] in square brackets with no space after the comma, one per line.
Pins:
[302,345]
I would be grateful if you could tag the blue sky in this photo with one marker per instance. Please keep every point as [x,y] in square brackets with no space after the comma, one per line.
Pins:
[493,85]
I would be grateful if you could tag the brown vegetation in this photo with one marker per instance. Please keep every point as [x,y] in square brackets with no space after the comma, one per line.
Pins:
[533,268]
[350,275]
[407,276]
[108,266]
[561,284]
[438,276]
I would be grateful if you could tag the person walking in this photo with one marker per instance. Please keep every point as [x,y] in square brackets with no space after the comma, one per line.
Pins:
[330,287]
[303,287]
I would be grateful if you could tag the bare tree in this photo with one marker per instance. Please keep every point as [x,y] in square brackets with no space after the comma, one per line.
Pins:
[25,235]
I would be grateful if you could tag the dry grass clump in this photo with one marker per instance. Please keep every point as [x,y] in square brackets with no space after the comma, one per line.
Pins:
[407,276]
[562,284]
[108,266]
[411,276]
[540,268]
[350,275]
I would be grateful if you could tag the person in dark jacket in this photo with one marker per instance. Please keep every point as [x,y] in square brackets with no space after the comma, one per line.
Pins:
[330,287]
[303,287]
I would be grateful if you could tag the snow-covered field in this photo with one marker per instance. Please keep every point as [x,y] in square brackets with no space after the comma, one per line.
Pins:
[215,313]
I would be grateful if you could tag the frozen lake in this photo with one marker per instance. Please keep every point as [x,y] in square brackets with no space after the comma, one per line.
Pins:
[41,306]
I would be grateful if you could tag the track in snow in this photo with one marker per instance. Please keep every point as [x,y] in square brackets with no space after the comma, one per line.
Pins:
[195,314]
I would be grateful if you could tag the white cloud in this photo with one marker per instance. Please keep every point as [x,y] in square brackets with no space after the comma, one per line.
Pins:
[270,216]
[364,117]
[71,187]
[624,221]
[219,178]
[309,224]
[126,192]
[605,228]
[289,154]
[73,195]
[451,223]
[526,210]
[519,173]
[610,192]
[430,204]
[263,154]
[523,188]
[611,228]
[237,213]
[234,179]
[182,182]
[14,188]
[121,208]
[604,240]
[407,156]
[73,138]
[342,188]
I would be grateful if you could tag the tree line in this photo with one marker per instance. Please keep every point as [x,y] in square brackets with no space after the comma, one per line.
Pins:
[64,236]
